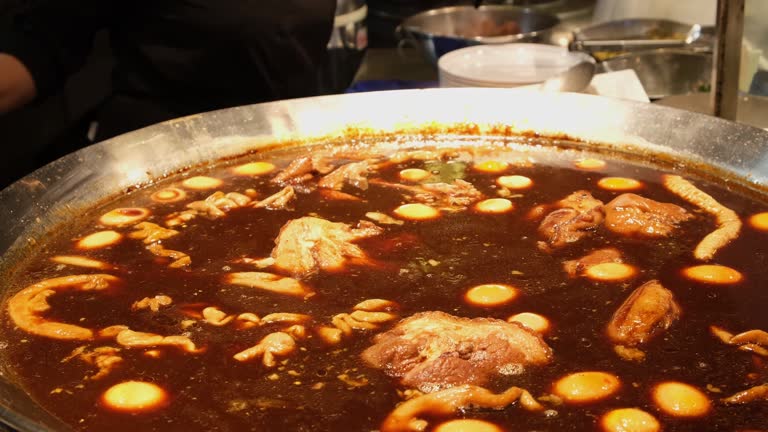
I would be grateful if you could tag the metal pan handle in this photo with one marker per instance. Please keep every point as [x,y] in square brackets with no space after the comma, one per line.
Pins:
[623,45]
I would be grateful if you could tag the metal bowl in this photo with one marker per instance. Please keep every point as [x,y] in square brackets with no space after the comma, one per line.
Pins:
[664,73]
[439,31]
[640,28]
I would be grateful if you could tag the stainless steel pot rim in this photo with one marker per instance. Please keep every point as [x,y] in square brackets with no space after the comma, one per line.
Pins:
[450,9]
[480,39]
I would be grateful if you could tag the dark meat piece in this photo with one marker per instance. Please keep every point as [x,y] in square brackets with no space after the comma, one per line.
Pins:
[355,174]
[632,215]
[578,215]
[454,196]
[600,256]
[435,350]
[301,169]
[279,200]
[309,244]
[648,311]
[581,201]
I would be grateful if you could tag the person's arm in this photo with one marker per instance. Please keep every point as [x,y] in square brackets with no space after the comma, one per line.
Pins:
[17,87]
[45,44]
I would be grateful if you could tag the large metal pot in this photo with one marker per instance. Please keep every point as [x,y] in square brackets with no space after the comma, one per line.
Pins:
[439,31]
[60,191]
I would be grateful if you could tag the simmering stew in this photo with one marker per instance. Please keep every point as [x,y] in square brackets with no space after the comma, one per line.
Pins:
[471,288]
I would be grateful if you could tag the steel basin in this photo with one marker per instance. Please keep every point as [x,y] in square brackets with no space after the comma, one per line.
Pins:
[439,31]
[59,192]
[665,72]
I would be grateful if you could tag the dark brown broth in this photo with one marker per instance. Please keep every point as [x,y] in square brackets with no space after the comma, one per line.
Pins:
[211,391]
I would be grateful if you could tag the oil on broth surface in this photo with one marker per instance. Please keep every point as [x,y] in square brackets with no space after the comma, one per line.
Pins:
[421,265]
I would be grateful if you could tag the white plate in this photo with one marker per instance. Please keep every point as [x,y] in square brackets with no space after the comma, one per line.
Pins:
[506,65]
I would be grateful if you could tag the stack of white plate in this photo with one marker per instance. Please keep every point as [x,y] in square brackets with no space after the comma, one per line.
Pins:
[508,65]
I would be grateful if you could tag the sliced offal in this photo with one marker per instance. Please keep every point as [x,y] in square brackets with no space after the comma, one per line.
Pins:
[753,341]
[278,200]
[753,394]
[274,344]
[81,261]
[728,222]
[406,417]
[104,358]
[133,339]
[27,306]
[269,282]
[369,314]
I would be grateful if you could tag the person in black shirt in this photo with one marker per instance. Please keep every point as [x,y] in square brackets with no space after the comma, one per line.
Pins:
[172,57]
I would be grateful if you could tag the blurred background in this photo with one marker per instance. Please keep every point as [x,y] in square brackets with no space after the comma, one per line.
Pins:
[390,44]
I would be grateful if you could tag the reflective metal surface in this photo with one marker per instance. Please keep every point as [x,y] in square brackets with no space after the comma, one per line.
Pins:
[439,31]
[694,33]
[60,191]
[752,109]
[575,79]
[564,9]
[664,73]
[641,29]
